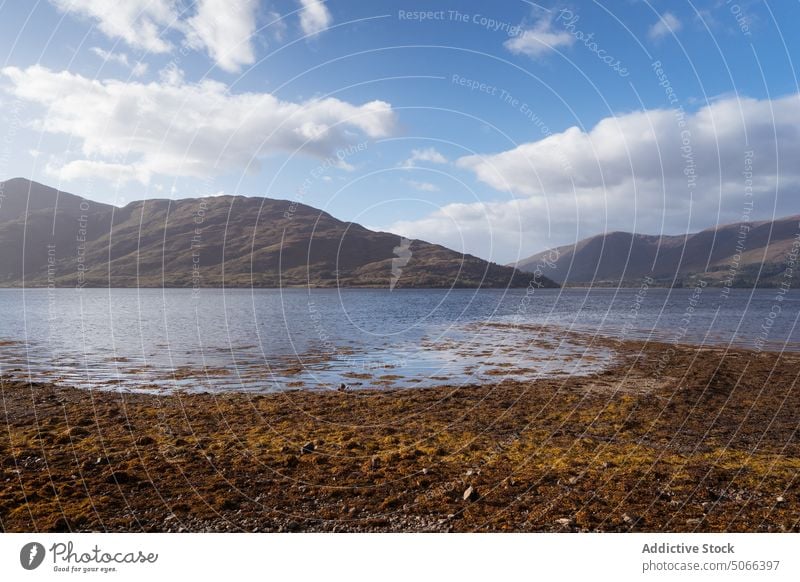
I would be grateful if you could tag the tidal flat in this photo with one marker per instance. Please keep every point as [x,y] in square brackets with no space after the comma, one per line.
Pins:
[667,438]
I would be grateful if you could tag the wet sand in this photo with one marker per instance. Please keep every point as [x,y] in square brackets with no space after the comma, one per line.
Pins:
[668,438]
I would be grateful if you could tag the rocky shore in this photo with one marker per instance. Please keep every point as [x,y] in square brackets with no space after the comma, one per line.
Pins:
[670,438]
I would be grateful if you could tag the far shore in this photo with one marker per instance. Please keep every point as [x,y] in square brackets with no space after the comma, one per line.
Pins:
[562,286]
[670,438]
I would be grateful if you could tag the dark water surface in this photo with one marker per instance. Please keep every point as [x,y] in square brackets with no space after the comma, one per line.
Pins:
[270,339]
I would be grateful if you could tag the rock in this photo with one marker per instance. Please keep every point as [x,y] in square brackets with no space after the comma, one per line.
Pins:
[780,499]
[470,494]
[565,522]
[307,448]
[144,441]
[630,519]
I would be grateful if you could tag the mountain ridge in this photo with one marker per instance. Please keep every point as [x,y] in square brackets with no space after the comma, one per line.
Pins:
[51,238]
[739,254]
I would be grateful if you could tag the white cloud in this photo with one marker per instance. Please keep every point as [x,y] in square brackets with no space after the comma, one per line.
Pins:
[423,186]
[430,155]
[222,28]
[636,171]
[345,166]
[140,23]
[225,29]
[171,75]
[491,230]
[119,58]
[178,128]
[137,69]
[117,173]
[314,16]
[668,24]
[539,40]
[276,25]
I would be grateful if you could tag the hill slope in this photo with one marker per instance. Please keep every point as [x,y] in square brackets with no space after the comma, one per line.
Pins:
[55,238]
[738,255]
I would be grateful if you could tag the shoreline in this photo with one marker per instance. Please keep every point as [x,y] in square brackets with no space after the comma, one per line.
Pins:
[707,441]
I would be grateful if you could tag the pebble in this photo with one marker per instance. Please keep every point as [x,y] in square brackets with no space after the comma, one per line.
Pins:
[307,448]
[470,494]
[630,519]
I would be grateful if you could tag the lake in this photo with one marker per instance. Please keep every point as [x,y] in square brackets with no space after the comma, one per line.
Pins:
[282,339]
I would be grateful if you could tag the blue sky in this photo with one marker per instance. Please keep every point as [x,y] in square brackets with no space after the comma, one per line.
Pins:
[499,129]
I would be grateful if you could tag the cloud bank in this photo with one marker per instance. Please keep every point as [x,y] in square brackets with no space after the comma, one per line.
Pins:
[660,170]
[132,130]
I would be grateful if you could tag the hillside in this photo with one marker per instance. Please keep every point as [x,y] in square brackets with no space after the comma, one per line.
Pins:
[737,255]
[56,238]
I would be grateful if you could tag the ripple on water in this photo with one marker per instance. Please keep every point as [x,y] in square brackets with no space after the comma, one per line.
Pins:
[464,355]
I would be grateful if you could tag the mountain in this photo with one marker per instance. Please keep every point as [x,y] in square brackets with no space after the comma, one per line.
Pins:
[49,237]
[743,254]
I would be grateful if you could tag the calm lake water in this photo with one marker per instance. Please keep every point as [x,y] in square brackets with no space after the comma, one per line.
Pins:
[267,340]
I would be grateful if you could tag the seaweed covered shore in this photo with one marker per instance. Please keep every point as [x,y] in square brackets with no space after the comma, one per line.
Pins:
[668,438]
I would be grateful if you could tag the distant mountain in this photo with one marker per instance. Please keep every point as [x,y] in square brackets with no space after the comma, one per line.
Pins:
[738,255]
[48,237]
